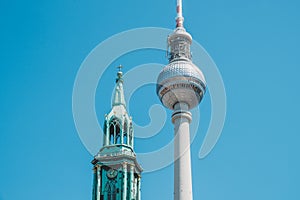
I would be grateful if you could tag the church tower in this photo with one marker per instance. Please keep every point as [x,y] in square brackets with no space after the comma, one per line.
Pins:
[117,174]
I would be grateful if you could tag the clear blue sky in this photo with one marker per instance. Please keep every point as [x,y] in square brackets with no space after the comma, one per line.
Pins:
[254,43]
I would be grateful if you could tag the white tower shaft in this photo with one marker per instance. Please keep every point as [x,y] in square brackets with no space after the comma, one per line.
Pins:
[181,119]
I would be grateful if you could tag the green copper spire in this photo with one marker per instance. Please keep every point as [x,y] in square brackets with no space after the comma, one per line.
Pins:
[118,129]
[119,98]
[117,174]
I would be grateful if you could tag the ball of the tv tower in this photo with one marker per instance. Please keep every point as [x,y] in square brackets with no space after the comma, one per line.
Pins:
[181,81]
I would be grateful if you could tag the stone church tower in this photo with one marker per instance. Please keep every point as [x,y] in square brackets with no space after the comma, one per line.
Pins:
[117,174]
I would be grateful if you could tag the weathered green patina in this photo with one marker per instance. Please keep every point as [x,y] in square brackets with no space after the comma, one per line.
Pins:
[117,174]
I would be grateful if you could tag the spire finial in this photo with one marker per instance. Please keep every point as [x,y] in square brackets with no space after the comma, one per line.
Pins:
[119,93]
[120,73]
[120,67]
[179,18]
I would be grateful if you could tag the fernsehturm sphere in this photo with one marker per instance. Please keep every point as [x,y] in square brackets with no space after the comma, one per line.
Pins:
[180,87]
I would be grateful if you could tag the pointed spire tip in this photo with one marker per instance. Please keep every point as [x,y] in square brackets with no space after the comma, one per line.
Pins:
[120,67]
[119,98]
[120,73]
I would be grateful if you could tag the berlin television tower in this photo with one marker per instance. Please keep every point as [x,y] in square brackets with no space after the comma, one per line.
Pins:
[180,87]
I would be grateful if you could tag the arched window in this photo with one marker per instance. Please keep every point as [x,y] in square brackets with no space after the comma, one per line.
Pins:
[111,190]
[111,133]
[114,131]
[125,140]
[108,191]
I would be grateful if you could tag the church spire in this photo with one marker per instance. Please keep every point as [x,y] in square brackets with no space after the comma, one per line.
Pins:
[117,174]
[119,98]
[118,129]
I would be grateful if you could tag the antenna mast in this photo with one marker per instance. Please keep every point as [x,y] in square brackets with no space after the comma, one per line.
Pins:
[179,18]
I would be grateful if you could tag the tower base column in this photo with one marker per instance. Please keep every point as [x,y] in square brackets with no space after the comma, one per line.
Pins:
[181,119]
